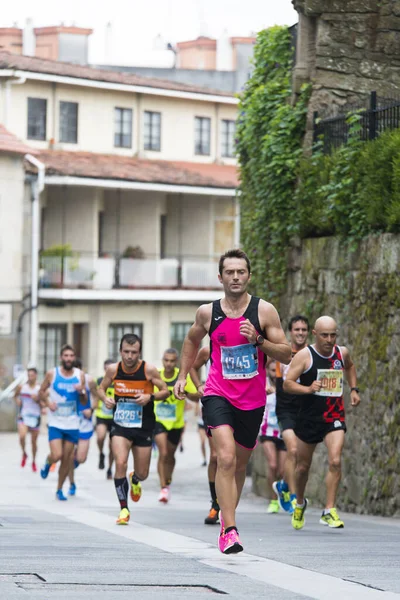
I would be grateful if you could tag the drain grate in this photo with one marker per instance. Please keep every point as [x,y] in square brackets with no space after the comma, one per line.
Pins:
[115,587]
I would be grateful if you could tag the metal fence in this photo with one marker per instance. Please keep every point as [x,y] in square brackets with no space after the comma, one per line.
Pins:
[379,115]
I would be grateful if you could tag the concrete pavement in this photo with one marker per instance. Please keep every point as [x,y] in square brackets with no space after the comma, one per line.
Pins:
[51,549]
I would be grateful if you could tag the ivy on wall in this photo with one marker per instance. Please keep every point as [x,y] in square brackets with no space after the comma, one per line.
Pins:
[269,136]
[350,193]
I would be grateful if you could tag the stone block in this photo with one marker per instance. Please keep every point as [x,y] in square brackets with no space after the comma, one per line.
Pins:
[373,70]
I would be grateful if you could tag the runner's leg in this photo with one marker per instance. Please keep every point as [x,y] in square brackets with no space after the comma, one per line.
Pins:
[290,439]
[203,437]
[121,447]
[225,482]
[22,431]
[161,440]
[242,458]
[334,442]
[141,461]
[271,457]
[34,438]
[304,458]
[67,455]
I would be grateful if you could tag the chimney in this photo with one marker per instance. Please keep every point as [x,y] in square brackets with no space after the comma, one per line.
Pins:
[197,54]
[11,39]
[67,44]
[28,39]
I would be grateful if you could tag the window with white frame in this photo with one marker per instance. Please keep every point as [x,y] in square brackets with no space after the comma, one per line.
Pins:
[115,333]
[37,113]
[51,338]
[122,127]
[152,131]
[202,136]
[69,122]
[227,138]
[178,334]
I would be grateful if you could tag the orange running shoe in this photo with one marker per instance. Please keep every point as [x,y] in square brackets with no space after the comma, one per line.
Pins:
[124,517]
[136,489]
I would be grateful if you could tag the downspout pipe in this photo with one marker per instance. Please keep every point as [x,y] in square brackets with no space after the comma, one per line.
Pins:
[37,187]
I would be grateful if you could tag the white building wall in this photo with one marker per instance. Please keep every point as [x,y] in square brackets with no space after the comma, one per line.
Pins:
[156,319]
[71,217]
[12,190]
[96,120]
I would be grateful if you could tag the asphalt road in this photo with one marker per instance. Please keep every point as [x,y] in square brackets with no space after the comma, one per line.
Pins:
[51,549]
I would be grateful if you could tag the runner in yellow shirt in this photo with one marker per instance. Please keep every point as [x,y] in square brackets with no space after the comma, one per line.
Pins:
[170,421]
[104,420]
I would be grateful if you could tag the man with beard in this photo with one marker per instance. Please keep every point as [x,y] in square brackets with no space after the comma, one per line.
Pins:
[287,408]
[243,330]
[67,388]
[134,419]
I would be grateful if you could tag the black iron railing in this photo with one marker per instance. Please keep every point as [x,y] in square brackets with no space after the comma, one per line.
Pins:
[380,114]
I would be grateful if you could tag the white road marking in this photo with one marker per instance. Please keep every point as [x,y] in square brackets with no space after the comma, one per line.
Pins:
[293,579]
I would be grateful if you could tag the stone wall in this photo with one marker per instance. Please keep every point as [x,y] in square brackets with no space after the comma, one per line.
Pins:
[347,48]
[360,288]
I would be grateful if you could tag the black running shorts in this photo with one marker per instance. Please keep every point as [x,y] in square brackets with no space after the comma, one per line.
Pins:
[138,437]
[287,416]
[245,424]
[173,435]
[314,432]
[106,422]
[279,443]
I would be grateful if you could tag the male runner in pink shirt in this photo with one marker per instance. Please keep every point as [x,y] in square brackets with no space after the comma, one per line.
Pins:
[243,330]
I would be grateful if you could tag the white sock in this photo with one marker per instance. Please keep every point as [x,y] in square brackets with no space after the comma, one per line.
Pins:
[327,511]
[300,505]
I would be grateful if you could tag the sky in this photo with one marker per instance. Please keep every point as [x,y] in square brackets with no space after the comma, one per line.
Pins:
[135,24]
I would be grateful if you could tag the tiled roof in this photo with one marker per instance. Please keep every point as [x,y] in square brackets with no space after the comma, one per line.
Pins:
[64,69]
[11,144]
[110,166]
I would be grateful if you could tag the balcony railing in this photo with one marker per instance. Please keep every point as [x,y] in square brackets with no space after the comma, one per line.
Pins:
[89,271]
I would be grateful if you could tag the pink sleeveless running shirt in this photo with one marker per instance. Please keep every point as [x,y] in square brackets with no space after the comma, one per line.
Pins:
[237,368]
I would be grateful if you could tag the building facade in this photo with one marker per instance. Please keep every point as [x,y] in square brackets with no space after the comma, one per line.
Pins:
[138,204]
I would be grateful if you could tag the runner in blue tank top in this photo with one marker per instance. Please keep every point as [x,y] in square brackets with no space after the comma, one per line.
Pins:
[62,390]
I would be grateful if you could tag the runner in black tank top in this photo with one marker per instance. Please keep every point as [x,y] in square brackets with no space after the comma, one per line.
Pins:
[134,419]
[316,374]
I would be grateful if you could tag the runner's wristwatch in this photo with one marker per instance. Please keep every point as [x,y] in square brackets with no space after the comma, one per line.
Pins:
[260,340]
[355,389]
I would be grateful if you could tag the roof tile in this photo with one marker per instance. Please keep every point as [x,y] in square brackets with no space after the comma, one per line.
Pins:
[109,166]
[54,67]
[11,144]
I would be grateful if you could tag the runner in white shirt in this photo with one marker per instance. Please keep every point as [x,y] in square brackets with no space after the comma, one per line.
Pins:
[27,399]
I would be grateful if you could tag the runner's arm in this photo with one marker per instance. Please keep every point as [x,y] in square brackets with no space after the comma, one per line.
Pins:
[191,346]
[106,383]
[43,396]
[201,359]
[153,375]
[275,343]
[191,390]
[299,364]
[17,398]
[94,401]
[81,389]
[351,376]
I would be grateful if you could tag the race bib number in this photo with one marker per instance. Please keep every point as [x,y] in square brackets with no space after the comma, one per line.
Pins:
[128,414]
[239,362]
[165,412]
[31,421]
[66,409]
[332,382]
[106,411]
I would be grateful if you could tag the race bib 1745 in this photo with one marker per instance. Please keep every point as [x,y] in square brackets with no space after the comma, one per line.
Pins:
[332,382]
[239,362]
